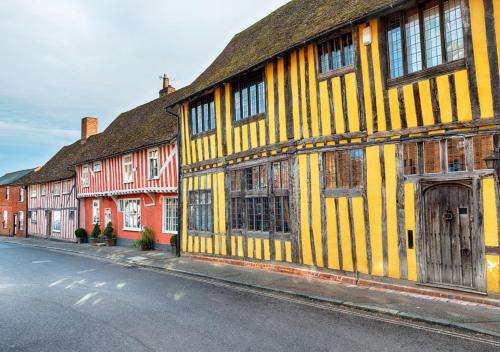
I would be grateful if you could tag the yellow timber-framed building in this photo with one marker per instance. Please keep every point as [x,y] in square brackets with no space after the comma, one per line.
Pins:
[354,137]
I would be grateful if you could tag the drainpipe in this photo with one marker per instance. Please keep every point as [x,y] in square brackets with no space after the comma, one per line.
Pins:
[179,185]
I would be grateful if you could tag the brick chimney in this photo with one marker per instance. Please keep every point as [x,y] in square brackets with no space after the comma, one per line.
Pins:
[167,88]
[89,128]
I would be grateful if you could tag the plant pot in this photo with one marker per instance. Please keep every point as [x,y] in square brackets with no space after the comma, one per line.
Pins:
[94,241]
[146,247]
[173,249]
[111,242]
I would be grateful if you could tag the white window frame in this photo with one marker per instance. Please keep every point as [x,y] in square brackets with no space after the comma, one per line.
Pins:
[126,213]
[7,193]
[33,191]
[56,186]
[43,190]
[5,219]
[56,223]
[34,217]
[155,156]
[128,163]
[21,220]
[107,216]
[96,212]
[21,194]
[170,215]
[85,179]
[68,184]
[97,166]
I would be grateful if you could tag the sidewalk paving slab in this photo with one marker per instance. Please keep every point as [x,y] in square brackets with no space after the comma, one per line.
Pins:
[464,315]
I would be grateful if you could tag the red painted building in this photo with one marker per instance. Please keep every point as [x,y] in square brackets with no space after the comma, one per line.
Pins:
[127,174]
[13,204]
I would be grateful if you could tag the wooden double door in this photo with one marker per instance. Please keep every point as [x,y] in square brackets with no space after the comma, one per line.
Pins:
[451,247]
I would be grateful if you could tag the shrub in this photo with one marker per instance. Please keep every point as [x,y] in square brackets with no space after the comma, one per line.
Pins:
[173,240]
[96,231]
[108,231]
[147,240]
[80,233]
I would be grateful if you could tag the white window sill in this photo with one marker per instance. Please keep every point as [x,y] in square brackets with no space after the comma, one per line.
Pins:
[54,231]
[131,229]
[170,232]
[128,182]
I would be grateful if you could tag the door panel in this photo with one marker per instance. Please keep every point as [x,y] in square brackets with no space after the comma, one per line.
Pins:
[448,240]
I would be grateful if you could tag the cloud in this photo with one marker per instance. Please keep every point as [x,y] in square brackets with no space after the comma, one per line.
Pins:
[65,59]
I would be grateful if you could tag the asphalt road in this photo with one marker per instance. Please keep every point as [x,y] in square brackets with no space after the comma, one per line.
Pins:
[51,301]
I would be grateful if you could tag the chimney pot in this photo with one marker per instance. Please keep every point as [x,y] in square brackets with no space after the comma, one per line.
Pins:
[89,128]
[167,88]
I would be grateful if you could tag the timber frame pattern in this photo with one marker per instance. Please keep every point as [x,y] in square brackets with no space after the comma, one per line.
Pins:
[376,231]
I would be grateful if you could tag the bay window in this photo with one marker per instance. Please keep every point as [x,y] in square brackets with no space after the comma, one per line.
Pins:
[424,37]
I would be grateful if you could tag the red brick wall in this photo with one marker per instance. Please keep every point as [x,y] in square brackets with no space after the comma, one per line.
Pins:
[13,206]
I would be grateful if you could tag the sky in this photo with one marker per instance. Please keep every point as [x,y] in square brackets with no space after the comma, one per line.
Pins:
[61,60]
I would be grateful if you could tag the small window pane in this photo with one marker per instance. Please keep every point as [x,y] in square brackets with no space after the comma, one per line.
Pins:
[206,125]
[453,25]
[432,36]
[199,113]
[244,105]
[237,111]
[212,115]
[483,148]
[395,48]
[410,157]
[330,171]
[193,121]
[456,155]
[262,98]
[432,157]
[357,168]
[413,47]
[253,100]
[343,157]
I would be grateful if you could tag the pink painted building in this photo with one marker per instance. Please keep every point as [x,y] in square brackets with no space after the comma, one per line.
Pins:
[128,175]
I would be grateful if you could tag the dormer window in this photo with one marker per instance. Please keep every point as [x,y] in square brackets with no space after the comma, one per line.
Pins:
[336,53]
[202,116]
[249,97]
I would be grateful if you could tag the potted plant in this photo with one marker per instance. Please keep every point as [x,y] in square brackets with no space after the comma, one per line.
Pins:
[94,235]
[147,240]
[173,243]
[81,235]
[108,234]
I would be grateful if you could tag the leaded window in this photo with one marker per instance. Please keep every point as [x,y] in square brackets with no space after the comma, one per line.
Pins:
[432,157]
[200,211]
[249,97]
[202,113]
[410,159]
[483,148]
[254,198]
[336,53]
[415,37]
[344,169]
[456,154]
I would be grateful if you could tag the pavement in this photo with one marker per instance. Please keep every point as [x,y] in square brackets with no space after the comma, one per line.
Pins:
[472,317]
